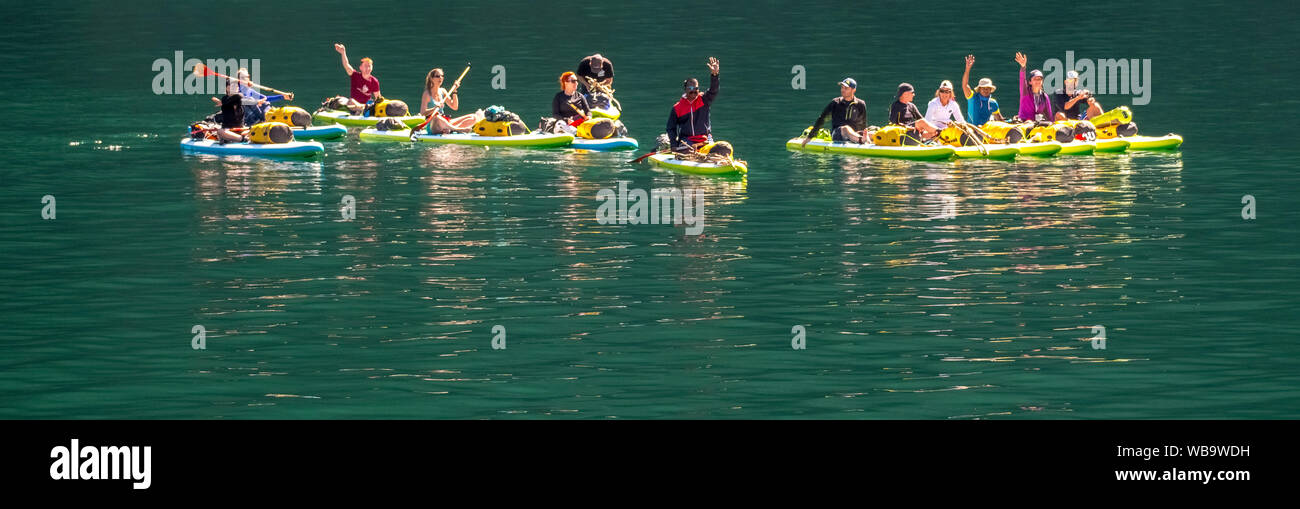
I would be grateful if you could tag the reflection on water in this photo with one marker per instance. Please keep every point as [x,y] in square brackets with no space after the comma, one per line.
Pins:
[964,289]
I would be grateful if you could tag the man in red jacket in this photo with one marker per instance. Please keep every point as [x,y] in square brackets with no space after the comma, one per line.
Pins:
[688,121]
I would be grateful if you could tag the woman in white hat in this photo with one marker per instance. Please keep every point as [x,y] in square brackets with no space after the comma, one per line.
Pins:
[981,107]
[943,108]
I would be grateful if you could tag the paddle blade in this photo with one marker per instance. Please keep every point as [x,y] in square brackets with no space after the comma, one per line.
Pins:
[202,70]
[642,158]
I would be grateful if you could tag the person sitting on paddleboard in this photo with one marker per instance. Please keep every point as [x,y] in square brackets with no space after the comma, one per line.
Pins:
[568,105]
[232,114]
[1035,105]
[1073,103]
[981,107]
[904,113]
[848,116]
[440,122]
[598,68]
[943,108]
[688,120]
[364,87]
[257,113]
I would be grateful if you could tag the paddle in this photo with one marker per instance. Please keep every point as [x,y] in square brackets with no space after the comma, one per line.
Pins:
[454,86]
[642,158]
[205,71]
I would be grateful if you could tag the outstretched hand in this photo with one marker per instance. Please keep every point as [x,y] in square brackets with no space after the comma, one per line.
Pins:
[340,48]
[970,60]
[1021,59]
[713,66]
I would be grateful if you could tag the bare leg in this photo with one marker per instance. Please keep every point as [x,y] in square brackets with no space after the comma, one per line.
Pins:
[847,133]
[439,125]
[464,122]
[1094,109]
[928,131]
[224,134]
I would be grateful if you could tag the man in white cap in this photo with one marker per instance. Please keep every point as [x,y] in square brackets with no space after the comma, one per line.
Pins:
[943,108]
[981,107]
[1073,103]
[848,116]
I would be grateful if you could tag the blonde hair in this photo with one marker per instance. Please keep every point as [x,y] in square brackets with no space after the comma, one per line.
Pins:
[428,79]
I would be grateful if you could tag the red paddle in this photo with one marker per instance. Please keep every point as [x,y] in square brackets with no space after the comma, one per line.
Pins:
[203,70]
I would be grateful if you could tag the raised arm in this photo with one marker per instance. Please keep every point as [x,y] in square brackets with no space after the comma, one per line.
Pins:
[343,52]
[965,77]
[1022,60]
[713,81]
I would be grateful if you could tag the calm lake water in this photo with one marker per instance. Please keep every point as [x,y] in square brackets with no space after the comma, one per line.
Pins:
[926,290]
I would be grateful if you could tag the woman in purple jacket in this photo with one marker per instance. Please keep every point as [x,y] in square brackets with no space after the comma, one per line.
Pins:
[1034,101]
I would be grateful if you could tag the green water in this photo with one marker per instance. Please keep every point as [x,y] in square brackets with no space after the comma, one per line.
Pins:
[909,311]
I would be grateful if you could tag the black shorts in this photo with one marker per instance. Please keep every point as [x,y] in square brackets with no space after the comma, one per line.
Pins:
[836,136]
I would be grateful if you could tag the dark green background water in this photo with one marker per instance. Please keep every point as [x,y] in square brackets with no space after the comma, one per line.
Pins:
[909,314]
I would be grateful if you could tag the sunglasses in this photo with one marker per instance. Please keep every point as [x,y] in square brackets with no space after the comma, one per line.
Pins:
[692,88]
[437,75]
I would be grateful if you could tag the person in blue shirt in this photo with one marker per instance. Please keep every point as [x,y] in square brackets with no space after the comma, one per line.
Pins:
[981,107]
[254,113]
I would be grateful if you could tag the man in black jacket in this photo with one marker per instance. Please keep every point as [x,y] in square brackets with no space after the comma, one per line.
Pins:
[688,120]
[848,116]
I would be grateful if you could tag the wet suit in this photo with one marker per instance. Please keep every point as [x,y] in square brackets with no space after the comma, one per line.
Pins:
[688,121]
[232,111]
[1078,112]
[902,113]
[906,114]
[584,70]
[851,113]
[562,107]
